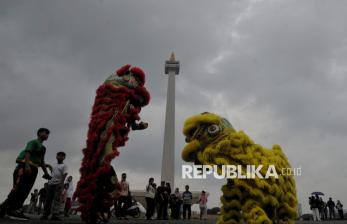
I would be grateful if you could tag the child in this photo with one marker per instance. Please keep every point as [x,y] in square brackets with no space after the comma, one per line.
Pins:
[42,197]
[55,189]
[33,201]
[69,194]
[64,198]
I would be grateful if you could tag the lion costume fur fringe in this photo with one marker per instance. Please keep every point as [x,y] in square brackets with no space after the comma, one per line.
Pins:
[116,109]
[213,141]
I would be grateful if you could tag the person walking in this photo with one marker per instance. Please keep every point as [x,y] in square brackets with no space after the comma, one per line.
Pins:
[339,207]
[149,196]
[187,197]
[331,206]
[24,176]
[55,189]
[203,204]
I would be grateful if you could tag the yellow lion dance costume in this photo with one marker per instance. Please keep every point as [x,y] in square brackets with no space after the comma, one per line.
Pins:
[213,141]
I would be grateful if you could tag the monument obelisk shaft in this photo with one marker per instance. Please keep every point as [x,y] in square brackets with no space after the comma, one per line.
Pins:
[168,161]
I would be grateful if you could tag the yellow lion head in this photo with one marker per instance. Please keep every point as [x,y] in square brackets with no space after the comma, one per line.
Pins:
[203,133]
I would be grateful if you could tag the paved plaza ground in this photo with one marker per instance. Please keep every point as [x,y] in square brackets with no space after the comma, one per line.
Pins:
[76,220]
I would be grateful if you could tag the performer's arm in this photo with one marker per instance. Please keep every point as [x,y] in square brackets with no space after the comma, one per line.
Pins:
[44,166]
[139,126]
[44,169]
[63,179]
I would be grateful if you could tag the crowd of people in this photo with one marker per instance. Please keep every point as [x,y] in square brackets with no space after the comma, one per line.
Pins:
[322,210]
[55,198]
[161,200]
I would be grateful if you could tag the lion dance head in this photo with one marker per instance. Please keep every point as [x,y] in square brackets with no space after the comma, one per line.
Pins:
[212,140]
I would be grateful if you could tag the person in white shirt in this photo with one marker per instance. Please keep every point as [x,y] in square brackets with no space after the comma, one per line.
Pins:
[69,195]
[123,200]
[149,196]
[55,188]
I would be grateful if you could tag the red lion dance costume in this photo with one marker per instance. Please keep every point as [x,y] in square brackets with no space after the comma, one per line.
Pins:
[116,109]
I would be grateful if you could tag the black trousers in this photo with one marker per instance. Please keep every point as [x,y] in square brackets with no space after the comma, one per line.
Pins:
[331,213]
[41,204]
[162,210]
[176,210]
[150,207]
[122,205]
[341,213]
[53,199]
[22,185]
[187,207]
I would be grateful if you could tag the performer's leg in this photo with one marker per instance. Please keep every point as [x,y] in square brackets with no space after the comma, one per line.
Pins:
[23,185]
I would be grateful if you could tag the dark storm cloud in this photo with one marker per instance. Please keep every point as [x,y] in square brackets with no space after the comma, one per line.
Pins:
[274,68]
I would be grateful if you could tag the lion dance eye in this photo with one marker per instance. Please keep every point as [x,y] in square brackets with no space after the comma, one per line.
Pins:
[213,129]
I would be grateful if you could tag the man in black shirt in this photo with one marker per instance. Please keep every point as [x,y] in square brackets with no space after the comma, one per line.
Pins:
[331,206]
[160,198]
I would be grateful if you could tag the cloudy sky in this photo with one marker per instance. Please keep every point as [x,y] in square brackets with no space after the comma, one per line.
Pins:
[274,68]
